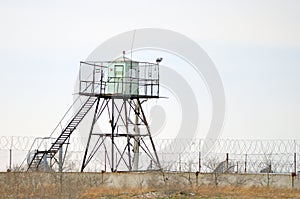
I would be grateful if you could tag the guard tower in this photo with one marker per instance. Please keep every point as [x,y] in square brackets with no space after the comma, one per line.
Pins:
[120,88]
[116,91]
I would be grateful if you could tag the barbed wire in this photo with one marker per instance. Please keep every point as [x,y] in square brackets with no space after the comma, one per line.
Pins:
[202,155]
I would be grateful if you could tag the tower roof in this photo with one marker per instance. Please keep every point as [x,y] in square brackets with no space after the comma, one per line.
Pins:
[123,59]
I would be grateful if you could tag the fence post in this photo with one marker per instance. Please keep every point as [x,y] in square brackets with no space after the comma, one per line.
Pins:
[293,179]
[10,159]
[199,163]
[60,159]
[10,153]
[199,169]
[105,154]
[179,163]
[245,171]
[227,158]
[295,162]
[295,157]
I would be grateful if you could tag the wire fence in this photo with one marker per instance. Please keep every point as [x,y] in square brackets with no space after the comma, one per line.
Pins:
[185,155]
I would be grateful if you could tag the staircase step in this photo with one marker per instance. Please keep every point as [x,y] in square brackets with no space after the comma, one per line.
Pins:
[65,134]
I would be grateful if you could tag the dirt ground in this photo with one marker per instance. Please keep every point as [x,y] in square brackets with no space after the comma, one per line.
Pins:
[196,192]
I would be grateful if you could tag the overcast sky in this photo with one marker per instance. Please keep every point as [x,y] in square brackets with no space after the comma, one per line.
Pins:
[255,46]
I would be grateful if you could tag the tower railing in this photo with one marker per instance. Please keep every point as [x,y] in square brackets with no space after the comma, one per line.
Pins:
[95,80]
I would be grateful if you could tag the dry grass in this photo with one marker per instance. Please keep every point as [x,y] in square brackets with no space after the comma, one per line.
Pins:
[245,192]
[196,192]
[112,192]
[92,185]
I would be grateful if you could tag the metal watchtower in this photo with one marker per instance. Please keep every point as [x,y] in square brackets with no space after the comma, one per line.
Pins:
[120,88]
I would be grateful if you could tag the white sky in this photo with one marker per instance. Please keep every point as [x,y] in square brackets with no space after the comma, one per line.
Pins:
[255,45]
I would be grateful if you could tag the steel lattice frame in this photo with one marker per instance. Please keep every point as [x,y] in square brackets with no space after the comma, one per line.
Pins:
[120,156]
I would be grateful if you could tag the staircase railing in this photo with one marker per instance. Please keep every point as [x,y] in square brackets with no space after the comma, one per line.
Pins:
[34,146]
[67,117]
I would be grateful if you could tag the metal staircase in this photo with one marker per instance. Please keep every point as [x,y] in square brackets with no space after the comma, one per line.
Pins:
[64,135]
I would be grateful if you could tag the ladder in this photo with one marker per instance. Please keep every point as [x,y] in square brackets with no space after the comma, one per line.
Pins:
[63,137]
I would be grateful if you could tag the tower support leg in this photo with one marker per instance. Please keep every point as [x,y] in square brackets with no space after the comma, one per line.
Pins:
[112,133]
[136,149]
[127,132]
[149,134]
[90,135]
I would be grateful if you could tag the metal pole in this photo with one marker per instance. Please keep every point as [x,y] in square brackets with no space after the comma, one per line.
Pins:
[60,156]
[112,134]
[116,160]
[295,162]
[136,147]
[45,162]
[10,159]
[227,162]
[105,154]
[158,79]
[293,181]
[199,169]
[90,135]
[93,84]
[10,153]
[127,132]
[80,78]
[179,163]
[245,171]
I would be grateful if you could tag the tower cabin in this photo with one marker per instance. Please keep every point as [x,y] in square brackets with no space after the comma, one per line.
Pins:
[122,77]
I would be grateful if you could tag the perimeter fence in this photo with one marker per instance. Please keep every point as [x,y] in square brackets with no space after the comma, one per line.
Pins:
[184,155]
